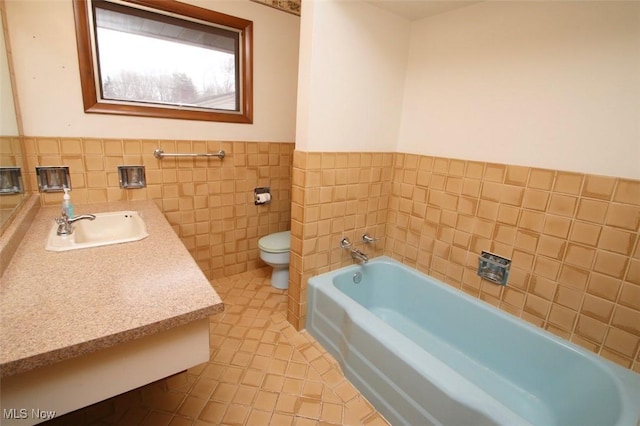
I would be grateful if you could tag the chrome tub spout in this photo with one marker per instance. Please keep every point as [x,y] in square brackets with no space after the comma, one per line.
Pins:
[359,256]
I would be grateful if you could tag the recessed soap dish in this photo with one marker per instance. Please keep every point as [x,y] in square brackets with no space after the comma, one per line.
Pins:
[132,177]
[10,180]
[53,179]
[494,268]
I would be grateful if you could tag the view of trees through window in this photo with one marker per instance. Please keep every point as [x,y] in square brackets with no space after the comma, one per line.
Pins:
[146,69]
[164,59]
[155,58]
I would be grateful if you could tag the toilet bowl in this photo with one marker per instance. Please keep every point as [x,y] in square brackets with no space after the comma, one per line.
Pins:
[274,251]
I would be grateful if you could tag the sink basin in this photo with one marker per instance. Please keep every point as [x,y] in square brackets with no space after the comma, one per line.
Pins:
[105,229]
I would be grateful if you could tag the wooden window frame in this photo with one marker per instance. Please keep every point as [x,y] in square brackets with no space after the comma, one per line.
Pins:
[88,76]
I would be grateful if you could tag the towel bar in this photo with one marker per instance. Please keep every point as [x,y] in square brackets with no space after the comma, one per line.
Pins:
[160,154]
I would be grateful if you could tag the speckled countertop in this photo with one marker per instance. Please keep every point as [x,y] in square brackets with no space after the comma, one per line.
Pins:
[58,305]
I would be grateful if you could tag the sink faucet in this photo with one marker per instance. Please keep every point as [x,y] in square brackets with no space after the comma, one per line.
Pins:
[65,222]
[359,256]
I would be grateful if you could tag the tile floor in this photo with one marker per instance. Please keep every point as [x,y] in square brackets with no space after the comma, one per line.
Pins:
[261,372]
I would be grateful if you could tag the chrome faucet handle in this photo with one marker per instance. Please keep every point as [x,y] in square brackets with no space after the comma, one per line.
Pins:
[367,239]
[345,243]
[64,227]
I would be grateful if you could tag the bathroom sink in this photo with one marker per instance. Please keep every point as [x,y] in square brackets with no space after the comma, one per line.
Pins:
[105,229]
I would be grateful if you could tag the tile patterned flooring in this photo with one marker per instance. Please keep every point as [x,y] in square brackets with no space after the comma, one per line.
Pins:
[261,372]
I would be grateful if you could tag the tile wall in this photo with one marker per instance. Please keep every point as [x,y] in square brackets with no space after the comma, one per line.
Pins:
[11,151]
[573,238]
[10,156]
[209,202]
[334,195]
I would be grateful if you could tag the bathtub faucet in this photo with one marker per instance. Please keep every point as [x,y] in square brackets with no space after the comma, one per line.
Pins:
[359,256]
[368,239]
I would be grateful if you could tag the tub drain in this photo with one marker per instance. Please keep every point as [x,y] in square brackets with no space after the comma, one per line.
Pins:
[357,277]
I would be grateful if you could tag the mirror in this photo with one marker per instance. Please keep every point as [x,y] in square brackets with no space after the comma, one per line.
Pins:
[10,134]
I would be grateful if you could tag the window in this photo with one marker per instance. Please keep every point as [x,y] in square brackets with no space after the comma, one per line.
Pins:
[162,58]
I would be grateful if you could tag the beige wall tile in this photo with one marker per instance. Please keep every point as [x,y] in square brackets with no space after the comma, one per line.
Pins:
[622,342]
[630,296]
[536,200]
[623,216]
[627,320]
[474,170]
[71,146]
[516,175]
[537,307]
[443,212]
[441,165]
[562,205]
[199,198]
[568,183]
[563,317]
[552,247]
[585,233]
[541,179]
[579,255]
[573,277]
[512,195]
[557,226]
[457,168]
[573,238]
[610,264]
[494,172]
[507,214]
[47,146]
[597,308]
[618,241]
[628,192]
[542,287]
[569,297]
[532,221]
[600,187]
[471,187]
[591,329]
[633,274]
[592,211]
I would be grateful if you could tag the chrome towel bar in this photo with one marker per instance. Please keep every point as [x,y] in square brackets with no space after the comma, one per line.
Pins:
[160,154]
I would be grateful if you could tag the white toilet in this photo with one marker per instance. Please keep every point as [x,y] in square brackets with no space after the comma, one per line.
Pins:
[274,251]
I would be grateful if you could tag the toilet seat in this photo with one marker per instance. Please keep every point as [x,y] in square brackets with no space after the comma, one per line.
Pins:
[280,242]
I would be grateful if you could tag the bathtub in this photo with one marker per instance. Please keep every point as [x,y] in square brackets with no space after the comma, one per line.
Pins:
[425,353]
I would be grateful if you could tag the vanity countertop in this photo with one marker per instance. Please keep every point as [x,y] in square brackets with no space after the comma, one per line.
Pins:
[59,305]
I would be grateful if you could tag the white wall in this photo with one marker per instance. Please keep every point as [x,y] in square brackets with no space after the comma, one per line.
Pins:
[352,67]
[547,84]
[46,64]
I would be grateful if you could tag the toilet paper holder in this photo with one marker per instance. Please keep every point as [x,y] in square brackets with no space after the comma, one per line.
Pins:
[262,195]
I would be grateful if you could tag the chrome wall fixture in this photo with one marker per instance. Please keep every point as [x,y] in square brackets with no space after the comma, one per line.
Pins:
[160,154]
[368,239]
[345,243]
[53,179]
[11,180]
[132,177]
[356,254]
[494,268]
